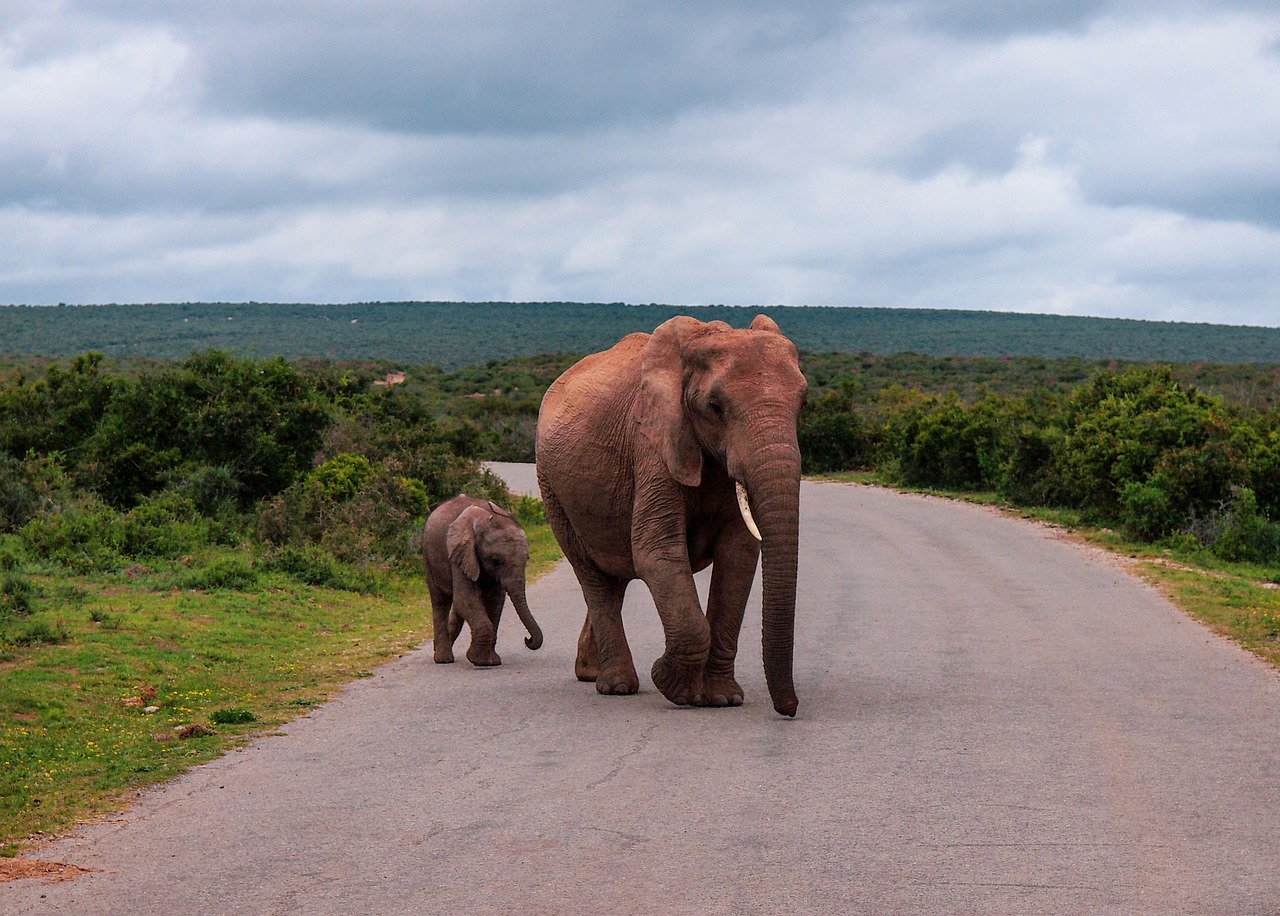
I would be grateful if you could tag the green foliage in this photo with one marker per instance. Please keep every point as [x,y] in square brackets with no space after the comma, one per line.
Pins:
[258,421]
[233,716]
[17,594]
[834,435]
[91,536]
[1138,448]
[233,572]
[342,476]
[39,632]
[1153,450]
[311,565]
[529,511]
[57,413]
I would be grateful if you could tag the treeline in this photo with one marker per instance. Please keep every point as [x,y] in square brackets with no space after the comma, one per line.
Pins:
[453,335]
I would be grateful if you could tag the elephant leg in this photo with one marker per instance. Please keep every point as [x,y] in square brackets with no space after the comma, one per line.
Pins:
[444,634]
[468,602]
[732,572]
[615,670]
[678,672]
[494,599]
[603,654]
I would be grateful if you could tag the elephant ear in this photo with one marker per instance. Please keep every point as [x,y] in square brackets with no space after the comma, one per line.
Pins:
[765,323]
[660,409]
[461,542]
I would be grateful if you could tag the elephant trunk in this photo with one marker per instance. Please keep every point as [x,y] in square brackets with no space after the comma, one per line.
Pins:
[515,590]
[774,496]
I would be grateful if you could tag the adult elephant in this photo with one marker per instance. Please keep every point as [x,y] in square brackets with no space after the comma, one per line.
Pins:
[653,458]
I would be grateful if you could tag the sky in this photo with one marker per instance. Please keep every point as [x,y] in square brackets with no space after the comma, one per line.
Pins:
[1113,158]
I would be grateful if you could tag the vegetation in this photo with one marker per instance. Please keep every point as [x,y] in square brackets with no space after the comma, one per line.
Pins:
[1135,448]
[457,334]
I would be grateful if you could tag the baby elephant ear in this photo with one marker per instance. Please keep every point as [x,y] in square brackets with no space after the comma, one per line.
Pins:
[661,413]
[461,542]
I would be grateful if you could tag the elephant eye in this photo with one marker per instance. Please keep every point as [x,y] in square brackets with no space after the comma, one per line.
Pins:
[716,408]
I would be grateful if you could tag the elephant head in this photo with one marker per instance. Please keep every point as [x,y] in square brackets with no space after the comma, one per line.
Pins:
[487,540]
[709,391]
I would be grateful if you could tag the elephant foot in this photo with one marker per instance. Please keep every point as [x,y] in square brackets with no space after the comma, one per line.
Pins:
[484,658]
[585,671]
[682,686]
[721,691]
[621,681]
[444,656]
[587,664]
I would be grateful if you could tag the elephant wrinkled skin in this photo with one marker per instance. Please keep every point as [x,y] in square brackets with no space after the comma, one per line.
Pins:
[643,451]
[475,555]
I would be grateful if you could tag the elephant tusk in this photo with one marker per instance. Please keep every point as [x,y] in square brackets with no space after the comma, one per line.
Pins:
[745,509]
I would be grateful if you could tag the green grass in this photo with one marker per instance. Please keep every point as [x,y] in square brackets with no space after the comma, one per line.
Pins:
[240,663]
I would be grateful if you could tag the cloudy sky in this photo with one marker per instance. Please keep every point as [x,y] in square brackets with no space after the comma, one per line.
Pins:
[1081,157]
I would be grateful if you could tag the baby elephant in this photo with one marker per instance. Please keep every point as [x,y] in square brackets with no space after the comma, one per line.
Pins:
[475,554]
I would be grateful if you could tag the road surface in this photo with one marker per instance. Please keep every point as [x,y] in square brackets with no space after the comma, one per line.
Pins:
[992,720]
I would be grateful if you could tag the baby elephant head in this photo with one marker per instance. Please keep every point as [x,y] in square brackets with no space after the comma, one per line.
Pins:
[486,542]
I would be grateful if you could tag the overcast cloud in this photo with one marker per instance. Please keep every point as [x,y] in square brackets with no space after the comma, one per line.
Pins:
[1095,157]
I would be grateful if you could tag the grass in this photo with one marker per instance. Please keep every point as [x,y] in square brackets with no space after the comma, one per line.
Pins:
[98,677]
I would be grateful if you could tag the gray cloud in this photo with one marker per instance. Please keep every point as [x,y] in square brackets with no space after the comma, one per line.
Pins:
[1109,157]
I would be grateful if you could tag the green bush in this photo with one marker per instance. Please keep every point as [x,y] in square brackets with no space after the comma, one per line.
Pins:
[833,435]
[342,476]
[942,443]
[17,594]
[233,573]
[529,511]
[83,537]
[39,632]
[311,565]
[90,536]
[1148,510]
[1240,532]
[1123,428]
[260,420]
[232,716]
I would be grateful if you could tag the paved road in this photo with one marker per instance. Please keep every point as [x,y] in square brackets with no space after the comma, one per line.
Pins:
[992,720]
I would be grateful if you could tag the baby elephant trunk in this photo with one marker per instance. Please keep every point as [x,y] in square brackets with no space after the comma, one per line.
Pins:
[516,592]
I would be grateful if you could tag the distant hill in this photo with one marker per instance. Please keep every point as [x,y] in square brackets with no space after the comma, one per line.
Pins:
[453,334]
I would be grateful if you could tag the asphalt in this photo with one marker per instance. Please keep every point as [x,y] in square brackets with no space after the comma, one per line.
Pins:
[993,719]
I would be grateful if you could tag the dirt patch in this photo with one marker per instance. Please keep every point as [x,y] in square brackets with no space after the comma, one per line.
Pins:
[15,869]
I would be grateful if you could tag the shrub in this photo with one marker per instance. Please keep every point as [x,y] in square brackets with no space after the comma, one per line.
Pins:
[942,443]
[260,420]
[232,716]
[311,565]
[83,536]
[833,436]
[227,572]
[1240,532]
[529,511]
[17,594]
[40,632]
[1148,510]
[342,476]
